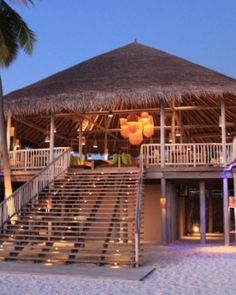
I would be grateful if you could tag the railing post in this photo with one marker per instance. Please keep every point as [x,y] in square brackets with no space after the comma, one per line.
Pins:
[194,155]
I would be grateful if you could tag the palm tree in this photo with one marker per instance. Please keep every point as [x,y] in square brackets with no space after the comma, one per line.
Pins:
[14,35]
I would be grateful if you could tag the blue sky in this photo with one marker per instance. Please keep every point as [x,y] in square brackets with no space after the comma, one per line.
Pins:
[71,31]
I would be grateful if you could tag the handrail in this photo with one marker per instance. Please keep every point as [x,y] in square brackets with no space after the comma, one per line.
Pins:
[138,217]
[32,158]
[24,194]
[186,154]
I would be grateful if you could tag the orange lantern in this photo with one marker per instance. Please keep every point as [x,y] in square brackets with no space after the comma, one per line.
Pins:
[124,131]
[144,115]
[148,130]
[133,126]
[136,138]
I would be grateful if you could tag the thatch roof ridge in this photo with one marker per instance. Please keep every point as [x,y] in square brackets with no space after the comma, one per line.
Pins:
[135,72]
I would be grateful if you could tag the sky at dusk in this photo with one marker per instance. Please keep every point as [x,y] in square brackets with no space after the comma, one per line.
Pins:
[69,32]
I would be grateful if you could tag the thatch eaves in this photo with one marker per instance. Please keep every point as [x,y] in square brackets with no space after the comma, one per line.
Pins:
[135,73]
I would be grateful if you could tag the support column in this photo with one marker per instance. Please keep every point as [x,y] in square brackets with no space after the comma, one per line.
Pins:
[173,125]
[80,141]
[202,212]
[226,210]
[162,132]
[105,141]
[51,146]
[223,130]
[163,210]
[234,175]
[9,116]
[210,213]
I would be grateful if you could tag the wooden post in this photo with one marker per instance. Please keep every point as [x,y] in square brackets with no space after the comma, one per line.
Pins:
[163,211]
[210,213]
[80,140]
[173,124]
[51,146]
[9,116]
[105,140]
[234,148]
[226,210]
[202,212]
[234,175]
[162,132]
[223,129]
[182,213]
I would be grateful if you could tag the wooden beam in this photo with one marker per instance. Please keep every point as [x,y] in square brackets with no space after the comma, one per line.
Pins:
[40,129]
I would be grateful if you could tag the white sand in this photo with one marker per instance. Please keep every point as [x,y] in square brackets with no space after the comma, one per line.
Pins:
[181,269]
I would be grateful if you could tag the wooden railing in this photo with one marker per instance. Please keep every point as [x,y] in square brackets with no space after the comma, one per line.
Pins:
[186,154]
[138,212]
[30,190]
[32,158]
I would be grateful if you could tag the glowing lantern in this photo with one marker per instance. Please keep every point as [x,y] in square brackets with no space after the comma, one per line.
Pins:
[148,130]
[124,131]
[133,126]
[136,138]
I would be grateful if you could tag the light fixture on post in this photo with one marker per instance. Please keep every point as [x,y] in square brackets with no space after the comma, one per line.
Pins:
[110,114]
[47,139]
[220,121]
[17,143]
[55,130]
[178,133]
[95,144]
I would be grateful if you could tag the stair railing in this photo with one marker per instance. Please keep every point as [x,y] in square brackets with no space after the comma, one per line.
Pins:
[12,205]
[138,217]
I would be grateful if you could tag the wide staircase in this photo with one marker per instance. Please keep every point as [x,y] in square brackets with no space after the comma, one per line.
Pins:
[85,216]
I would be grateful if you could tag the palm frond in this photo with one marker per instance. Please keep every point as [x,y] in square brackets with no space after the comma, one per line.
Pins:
[14,34]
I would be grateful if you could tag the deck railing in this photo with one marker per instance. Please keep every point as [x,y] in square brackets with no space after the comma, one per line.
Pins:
[32,158]
[186,154]
[138,217]
[30,190]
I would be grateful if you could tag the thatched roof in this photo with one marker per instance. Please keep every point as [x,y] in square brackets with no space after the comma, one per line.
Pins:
[135,73]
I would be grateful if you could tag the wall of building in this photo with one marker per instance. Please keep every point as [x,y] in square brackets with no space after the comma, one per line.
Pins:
[152,214]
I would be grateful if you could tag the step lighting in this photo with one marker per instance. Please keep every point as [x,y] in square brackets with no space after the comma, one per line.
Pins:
[127,193]
[31,217]
[63,238]
[39,209]
[98,179]
[85,201]
[90,193]
[130,178]
[128,185]
[69,227]
[117,250]
[21,226]
[126,201]
[62,186]
[74,173]
[80,209]
[125,209]
[56,248]
[75,218]
[68,179]
[54,193]
[94,185]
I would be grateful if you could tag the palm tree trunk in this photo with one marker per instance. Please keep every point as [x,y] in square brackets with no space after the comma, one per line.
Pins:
[4,150]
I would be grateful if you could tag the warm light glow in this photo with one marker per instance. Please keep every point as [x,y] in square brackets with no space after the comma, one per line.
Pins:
[47,139]
[195,228]
[110,114]
[135,127]
[124,131]
[163,202]
[12,131]
[148,130]
[17,143]
[136,138]
[95,145]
